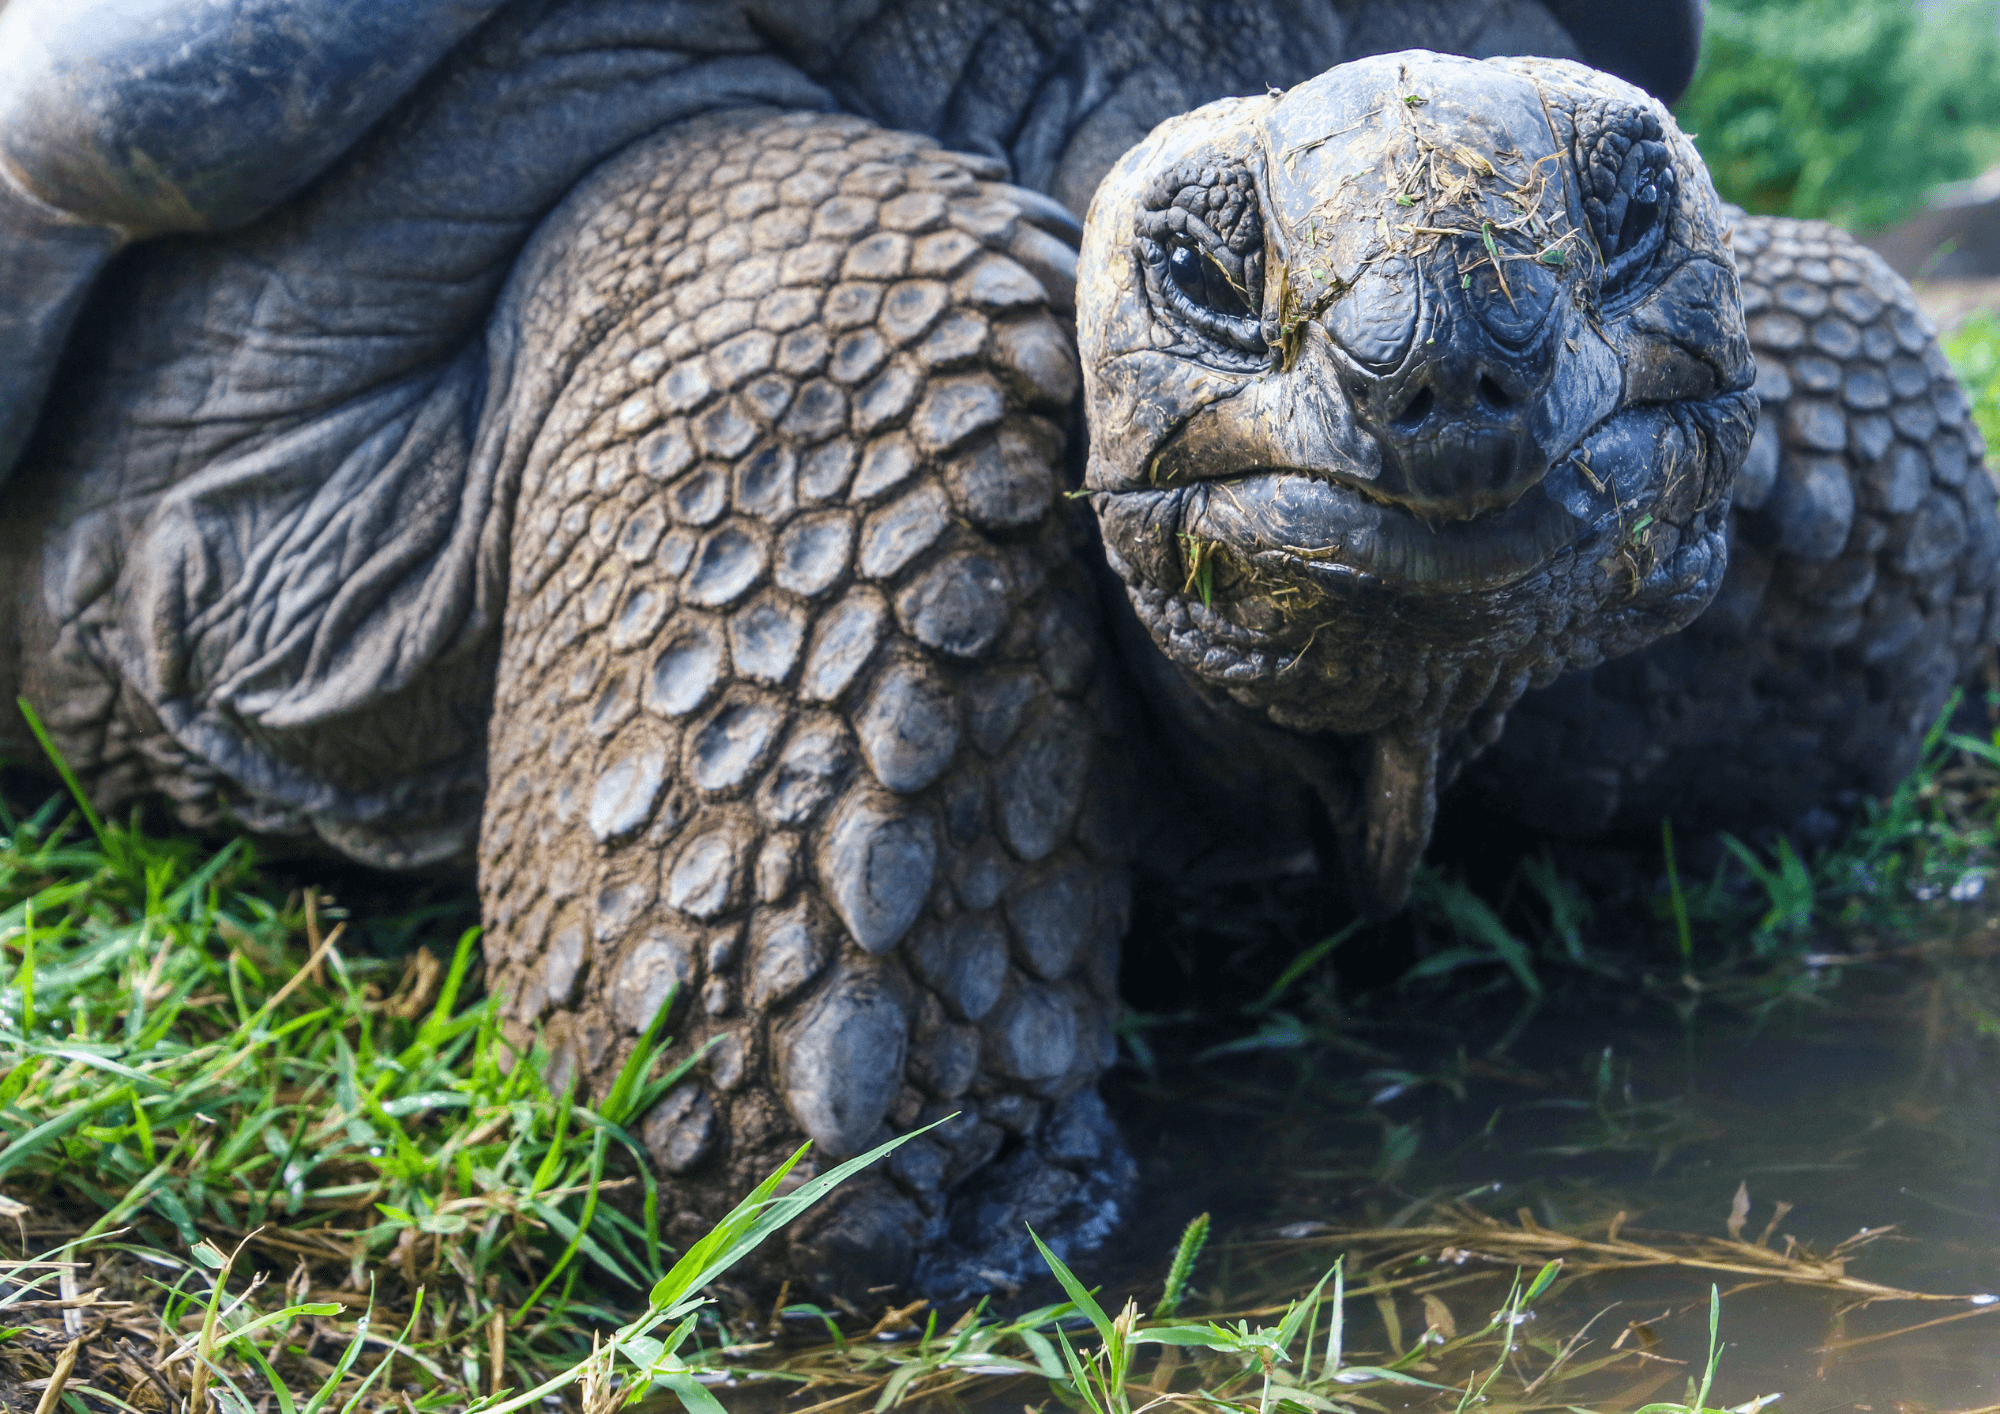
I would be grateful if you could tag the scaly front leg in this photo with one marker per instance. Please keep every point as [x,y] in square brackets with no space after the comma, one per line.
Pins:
[798,705]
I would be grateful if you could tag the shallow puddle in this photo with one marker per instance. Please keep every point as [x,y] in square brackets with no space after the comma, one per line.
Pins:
[1816,1140]
[1872,1112]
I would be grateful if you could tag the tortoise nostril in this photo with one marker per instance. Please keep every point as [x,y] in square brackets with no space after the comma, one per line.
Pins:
[1414,411]
[1493,395]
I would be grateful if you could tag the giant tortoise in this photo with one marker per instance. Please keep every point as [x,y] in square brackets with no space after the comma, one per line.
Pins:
[675,457]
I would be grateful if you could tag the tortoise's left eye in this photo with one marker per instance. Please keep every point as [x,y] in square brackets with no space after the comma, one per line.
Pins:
[1204,282]
[1631,207]
[1641,226]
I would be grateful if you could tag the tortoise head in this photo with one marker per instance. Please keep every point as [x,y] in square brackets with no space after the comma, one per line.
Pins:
[1408,389]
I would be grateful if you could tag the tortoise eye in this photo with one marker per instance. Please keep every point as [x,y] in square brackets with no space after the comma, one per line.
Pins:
[1200,246]
[1204,282]
[1632,209]
[1642,212]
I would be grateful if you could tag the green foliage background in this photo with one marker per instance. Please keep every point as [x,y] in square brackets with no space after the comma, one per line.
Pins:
[1845,109]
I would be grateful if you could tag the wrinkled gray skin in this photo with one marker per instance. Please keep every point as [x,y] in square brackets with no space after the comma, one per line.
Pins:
[615,444]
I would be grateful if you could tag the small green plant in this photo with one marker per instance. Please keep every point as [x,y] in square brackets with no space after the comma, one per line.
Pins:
[1569,910]
[1193,1238]
[1697,1400]
[1509,1322]
[1789,886]
[1483,938]
[1615,1120]
[1480,939]
[1099,1378]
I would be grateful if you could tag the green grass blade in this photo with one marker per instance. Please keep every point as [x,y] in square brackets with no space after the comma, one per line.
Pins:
[272,1378]
[1676,899]
[416,1310]
[693,1395]
[330,1386]
[1714,1348]
[640,1062]
[1302,964]
[1083,1300]
[45,1134]
[1336,1328]
[1079,1376]
[777,1212]
[1288,1328]
[436,1026]
[68,776]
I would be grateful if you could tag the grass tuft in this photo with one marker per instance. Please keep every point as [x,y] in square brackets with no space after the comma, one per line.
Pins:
[197,1081]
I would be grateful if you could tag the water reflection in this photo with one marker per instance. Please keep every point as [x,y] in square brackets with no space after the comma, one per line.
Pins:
[1868,1116]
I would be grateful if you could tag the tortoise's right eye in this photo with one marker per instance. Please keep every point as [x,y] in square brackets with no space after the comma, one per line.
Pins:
[1204,282]
[1205,290]
[1201,248]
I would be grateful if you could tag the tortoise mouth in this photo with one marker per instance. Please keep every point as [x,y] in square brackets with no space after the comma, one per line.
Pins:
[1330,531]
[1606,511]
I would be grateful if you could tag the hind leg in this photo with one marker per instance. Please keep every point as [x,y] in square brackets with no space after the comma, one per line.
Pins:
[1861,586]
[798,706]
[93,159]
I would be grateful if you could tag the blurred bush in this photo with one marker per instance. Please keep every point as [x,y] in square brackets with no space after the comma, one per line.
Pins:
[1846,109]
